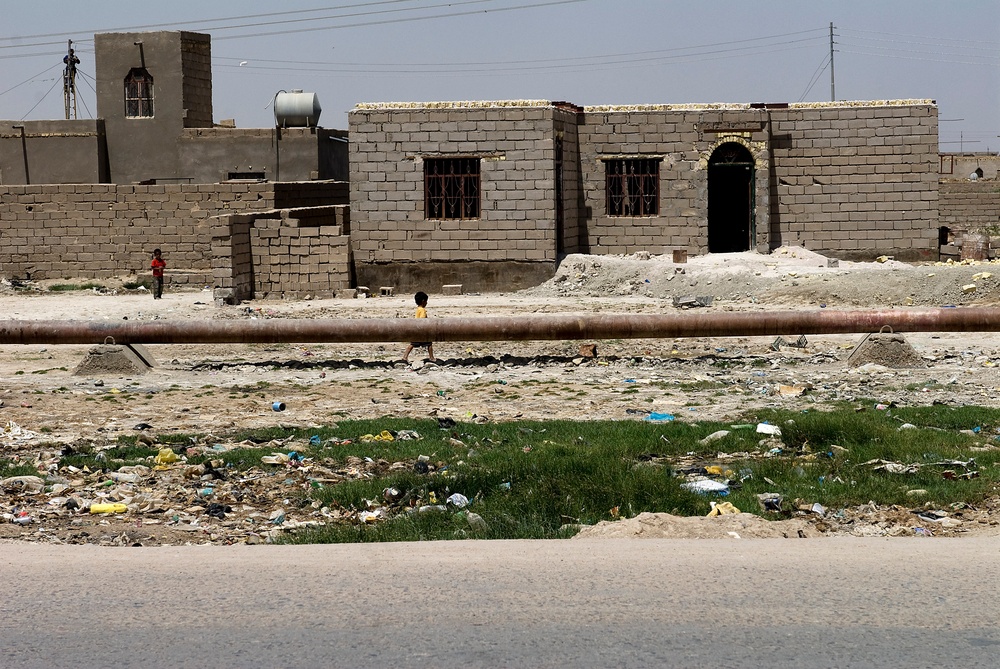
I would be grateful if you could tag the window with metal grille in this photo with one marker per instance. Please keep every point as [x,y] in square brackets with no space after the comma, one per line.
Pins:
[632,186]
[451,188]
[138,94]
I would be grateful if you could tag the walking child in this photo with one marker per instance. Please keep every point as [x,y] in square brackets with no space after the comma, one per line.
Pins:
[158,264]
[421,299]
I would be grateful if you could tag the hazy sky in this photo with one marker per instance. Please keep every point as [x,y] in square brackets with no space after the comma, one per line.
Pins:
[583,51]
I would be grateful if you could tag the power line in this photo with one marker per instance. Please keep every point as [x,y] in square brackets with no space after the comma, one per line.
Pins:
[457,70]
[932,60]
[815,77]
[226,18]
[401,20]
[29,79]
[322,18]
[58,79]
[535,60]
[923,38]
[89,85]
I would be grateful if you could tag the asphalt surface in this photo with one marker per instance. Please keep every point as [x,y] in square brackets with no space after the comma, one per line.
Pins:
[831,602]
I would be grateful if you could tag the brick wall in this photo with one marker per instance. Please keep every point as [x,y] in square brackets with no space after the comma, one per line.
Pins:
[682,137]
[286,253]
[971,206]
[105,230]
[515,145]
[857,180]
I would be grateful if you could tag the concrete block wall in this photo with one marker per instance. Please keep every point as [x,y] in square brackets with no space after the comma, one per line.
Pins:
[388,145]
[571,235]
[856,180]
[964,165]
[970,206]
[289,253]
[683,138]
[106,230]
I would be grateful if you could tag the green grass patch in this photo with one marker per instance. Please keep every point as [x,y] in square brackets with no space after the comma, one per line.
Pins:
[537,480]
[10,468]
[65,287]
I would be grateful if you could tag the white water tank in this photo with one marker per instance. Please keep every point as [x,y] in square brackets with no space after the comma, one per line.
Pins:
[295,109]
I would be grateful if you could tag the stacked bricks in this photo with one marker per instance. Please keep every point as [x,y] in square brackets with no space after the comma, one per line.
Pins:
[106,230]
[289,253]
[859,179]
[515,145]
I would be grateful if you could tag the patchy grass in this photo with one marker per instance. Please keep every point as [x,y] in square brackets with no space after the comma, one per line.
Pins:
[66,287]
[10,468]
[540,479]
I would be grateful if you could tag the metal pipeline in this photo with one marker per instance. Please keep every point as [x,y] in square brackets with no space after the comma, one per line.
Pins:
[506,328]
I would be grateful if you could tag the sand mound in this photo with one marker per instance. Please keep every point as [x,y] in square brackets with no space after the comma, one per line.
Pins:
[666,526]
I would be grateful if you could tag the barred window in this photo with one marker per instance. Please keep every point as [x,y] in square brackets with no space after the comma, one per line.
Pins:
[632,186]
[451,188]
[138,94]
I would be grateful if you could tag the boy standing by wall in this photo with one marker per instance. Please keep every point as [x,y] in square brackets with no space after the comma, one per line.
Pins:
[421,299]
[158,264]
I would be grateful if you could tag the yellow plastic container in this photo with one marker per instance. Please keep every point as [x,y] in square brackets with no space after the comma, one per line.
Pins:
[108,508]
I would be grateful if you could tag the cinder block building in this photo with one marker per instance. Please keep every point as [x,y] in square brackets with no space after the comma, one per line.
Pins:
[492,194]
[92,198]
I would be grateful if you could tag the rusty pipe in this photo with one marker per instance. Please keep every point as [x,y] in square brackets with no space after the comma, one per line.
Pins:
[506,328]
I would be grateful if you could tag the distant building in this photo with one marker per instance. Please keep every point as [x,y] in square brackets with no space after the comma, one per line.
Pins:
[492,194]
[154,125]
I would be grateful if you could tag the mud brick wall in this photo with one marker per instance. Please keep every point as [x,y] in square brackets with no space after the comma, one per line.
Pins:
[972,206]
[105,230]
[857,181]
[287,253]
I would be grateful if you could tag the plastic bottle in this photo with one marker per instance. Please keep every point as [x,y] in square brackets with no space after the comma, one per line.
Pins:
[108,508]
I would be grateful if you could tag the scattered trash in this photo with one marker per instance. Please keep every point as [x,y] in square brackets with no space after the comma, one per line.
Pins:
[458,500]
[722,509]
[22,485]
[166,456]
[384,435]
[770,501]
[659,417]
[767,428]
[278,406]
[688,302]
[108,508]
[706,486]
[15,434]
[715,436]
[474,520]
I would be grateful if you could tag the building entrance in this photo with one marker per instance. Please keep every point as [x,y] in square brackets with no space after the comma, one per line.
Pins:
[731,222]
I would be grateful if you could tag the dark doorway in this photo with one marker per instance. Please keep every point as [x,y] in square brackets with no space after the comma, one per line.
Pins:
[730,199]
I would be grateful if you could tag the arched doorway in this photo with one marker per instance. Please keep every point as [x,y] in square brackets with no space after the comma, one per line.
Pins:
[730,199]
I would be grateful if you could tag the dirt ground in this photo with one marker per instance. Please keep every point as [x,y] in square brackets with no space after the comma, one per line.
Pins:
[214,389]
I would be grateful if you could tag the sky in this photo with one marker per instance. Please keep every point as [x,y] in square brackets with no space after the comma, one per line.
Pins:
[587,52]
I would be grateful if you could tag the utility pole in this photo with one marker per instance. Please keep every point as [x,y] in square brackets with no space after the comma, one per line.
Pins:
[833,89]
[69,80]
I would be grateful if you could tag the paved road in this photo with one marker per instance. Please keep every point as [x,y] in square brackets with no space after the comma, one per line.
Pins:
[596,603]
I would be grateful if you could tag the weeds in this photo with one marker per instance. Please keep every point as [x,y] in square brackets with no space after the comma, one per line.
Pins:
[543,479]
